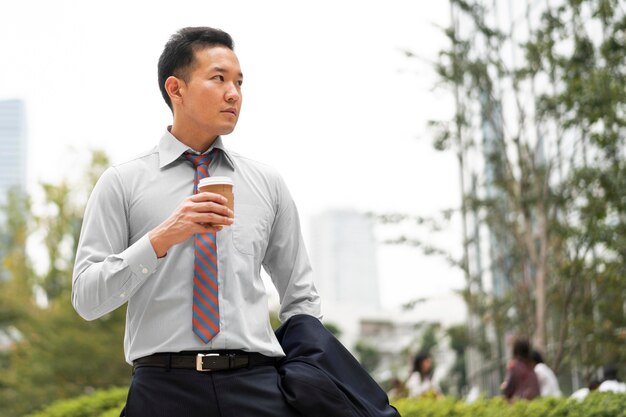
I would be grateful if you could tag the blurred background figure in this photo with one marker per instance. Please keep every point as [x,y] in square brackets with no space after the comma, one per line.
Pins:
[472,395]
[420,381]
[581,394]
[548,384]
[611,381]
[521,380]
[397,390]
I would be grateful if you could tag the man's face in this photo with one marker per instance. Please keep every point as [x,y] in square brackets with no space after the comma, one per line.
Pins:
[211,98]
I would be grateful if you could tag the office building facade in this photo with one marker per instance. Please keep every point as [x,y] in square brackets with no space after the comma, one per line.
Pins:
[13,147]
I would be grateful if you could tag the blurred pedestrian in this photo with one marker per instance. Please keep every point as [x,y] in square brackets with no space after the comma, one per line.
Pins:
[548,384]
[398,389]
[521,381]
[420,381]
[581,394]
[611,381]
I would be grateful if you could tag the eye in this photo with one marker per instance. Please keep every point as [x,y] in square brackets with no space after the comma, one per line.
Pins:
[239,82]
[218,77]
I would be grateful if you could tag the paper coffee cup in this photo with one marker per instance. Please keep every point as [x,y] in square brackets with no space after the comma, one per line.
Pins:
[219,185]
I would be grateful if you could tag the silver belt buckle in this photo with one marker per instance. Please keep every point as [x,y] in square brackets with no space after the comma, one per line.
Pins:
[200,361]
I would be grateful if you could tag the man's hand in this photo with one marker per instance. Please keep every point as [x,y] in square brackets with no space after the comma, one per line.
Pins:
[199,213]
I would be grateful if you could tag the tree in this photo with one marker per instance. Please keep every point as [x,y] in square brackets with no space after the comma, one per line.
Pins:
[428,339]
[14,233]
[54,353]
[369,356]
[550,162]
[539,128]
[459,341]
[14,293]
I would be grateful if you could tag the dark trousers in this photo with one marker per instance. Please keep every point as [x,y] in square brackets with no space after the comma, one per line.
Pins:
[159,392]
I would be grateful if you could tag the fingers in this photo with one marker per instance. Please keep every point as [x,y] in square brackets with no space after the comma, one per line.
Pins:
[211,207]
[199,213]
[217,198]
[212,228]
[207,219]
[208,209]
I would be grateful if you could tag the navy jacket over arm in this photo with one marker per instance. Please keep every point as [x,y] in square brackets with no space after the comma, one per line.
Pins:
[319,377]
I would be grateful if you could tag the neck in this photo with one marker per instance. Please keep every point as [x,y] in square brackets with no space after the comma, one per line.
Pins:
[196,140]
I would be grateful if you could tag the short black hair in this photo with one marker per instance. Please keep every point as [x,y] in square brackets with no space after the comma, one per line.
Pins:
[610,372]
[521,349]
[178,55]
[536,356]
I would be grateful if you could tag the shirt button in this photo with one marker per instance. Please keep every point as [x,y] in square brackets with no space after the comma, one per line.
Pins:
[122,295]
[145,270]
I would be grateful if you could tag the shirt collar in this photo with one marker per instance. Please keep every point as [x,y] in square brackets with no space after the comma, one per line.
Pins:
[170,149]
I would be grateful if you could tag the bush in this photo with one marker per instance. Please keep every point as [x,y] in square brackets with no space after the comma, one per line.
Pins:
[105,403]
[595,405]
[109,403]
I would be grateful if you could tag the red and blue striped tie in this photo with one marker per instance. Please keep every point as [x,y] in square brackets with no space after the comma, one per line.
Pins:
[206,311]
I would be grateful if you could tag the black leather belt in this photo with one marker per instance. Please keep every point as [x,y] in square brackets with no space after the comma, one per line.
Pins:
[204,361]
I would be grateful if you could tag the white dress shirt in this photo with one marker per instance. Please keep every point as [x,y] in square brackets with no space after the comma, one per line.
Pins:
[115,262]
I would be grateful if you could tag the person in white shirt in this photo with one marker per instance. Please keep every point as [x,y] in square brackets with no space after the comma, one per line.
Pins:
[548,383]
[581,393]
[611,382]
[420,381]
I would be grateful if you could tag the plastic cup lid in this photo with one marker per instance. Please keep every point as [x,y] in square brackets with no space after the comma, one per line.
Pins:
[215,180]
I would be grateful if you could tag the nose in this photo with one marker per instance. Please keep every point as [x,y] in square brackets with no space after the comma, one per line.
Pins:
[233,94]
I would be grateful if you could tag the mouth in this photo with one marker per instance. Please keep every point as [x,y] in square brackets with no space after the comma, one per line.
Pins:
[230,110]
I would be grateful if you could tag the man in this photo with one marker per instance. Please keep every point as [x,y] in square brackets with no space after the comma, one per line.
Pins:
[197,328]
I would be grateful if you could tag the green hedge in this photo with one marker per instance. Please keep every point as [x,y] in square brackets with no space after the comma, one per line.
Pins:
[105,403]
[109,403]
[595,405]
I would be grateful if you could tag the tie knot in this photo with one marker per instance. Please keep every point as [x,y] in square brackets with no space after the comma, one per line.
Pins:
[199,159]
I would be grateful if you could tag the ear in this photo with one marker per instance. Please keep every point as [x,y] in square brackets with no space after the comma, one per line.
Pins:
[175,89]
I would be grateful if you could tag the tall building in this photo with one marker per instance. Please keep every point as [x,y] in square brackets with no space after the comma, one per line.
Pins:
[343,253]
[343,256]
[12,147]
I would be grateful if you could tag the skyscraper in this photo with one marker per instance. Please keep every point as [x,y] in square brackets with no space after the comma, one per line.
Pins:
[12,147]
[343,252]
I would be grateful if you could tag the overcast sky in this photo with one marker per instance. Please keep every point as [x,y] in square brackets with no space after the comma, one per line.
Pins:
[330,100]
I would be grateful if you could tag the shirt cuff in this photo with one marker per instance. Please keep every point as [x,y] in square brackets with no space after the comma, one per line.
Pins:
[141,258]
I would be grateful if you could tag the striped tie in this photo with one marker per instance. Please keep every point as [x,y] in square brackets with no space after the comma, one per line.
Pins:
[206,311]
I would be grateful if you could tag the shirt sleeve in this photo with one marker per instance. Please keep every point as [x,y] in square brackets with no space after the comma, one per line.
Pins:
[509,385]
[287,262]
[108,270]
